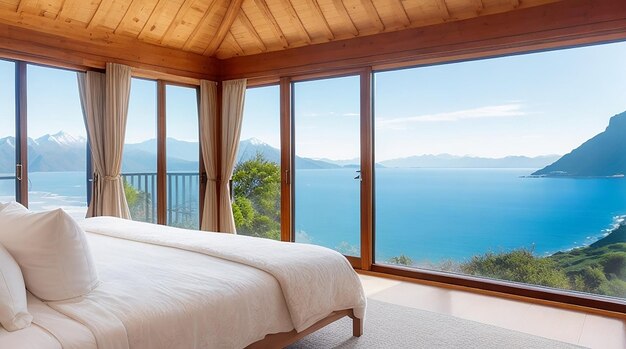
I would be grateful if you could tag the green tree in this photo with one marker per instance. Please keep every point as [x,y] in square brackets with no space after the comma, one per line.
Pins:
[256,191]
[401,260]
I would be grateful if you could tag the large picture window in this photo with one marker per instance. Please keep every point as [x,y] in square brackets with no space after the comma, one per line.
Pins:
[256,178]
[508,168]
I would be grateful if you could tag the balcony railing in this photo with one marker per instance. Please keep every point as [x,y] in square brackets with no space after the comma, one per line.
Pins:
[182,197]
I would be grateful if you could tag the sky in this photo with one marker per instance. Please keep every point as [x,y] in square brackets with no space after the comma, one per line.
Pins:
[532,104]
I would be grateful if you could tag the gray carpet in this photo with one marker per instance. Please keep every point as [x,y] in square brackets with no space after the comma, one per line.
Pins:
[392,326]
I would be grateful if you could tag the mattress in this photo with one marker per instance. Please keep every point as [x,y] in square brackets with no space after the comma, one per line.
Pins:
[160,295]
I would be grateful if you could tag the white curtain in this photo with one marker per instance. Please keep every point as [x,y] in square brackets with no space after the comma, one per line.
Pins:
[208,142]
[104,99]
[233,93]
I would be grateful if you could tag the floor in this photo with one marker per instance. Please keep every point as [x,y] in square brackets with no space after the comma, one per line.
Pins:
[574,327]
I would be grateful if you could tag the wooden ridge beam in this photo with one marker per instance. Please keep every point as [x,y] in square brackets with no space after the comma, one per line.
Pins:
[295,20]
[235,44]
[343,13]
[231,13]
[315,8]
[373,15]
[269,17]
[550,26]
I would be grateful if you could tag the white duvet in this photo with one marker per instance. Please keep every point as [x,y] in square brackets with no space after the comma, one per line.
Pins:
[164,287]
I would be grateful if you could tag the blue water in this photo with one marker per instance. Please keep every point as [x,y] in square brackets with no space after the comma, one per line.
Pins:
[432,215]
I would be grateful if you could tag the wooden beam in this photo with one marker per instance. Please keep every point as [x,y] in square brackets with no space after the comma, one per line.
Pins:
[480,6]
[295,20]
[180,15]
[367,169]
[161,155]
[343,13]
[245,21]
[99,14]
[208,14]
[231,13]
[558,24]
[235,44]
[515,3]
[269,17]
[373,15]
[286,162]
[443,9]
[61,7]
[315,8]
[93,51]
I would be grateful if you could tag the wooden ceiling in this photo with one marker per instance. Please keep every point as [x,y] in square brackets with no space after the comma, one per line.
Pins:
[229,28]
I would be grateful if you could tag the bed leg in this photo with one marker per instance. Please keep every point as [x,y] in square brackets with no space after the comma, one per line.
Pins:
[357,327]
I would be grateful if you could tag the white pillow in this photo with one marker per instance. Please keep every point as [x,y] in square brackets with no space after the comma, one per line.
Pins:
[13,310]
[52,251]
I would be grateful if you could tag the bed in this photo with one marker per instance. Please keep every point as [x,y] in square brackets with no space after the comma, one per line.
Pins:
[163,287]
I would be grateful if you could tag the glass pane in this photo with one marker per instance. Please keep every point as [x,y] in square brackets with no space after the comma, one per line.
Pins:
[57,146]
[7,131]
[509,168]
[256,179]
[139,161]
[183,155]
[327,149]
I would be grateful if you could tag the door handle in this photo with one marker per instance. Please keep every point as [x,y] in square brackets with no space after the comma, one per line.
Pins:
[18,172]
[359,175]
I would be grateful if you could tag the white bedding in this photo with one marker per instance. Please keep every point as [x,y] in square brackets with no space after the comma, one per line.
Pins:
[170,288]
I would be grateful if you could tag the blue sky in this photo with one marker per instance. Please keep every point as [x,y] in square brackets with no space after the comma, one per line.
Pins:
[534,104]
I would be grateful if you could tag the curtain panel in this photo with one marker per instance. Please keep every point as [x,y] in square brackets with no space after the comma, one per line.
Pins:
[104,100]
[233,94]
[208,142]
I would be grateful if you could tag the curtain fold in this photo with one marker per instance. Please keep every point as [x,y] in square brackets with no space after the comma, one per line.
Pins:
[208,142]
[233,94]
[104,100]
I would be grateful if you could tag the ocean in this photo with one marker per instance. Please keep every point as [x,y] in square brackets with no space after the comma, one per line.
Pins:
[434,215]
[430,215]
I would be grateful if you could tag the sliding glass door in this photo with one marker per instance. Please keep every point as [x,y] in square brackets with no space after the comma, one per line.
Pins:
[327,164]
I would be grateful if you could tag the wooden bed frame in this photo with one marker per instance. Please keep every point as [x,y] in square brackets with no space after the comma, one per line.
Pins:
[283,339]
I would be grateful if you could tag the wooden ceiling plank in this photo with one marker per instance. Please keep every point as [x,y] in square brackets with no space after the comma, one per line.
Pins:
[232,11]
[208,14]
[515,3]
[315,8]
[20,6]
[480,6]
[101,13]
[400,12]
[235,44]
[373,14]
[124,17]
[265,10]
[343,13]
[443,9]
[61,7]
[245,21]
[152,18]
[180,14]
[295,19]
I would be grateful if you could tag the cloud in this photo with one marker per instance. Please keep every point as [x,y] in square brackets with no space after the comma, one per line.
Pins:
[487,112]
[332,113]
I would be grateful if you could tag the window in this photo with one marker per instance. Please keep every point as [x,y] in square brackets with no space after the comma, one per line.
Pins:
[327,163]
[183,155]
[7,131]
[139,161]
[256,178]
[509,168]
[57,145]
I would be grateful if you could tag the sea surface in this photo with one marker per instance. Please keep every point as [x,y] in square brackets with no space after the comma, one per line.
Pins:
[430,215]
[434,215]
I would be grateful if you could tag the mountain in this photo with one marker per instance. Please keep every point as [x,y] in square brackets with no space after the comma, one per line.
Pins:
[52,152]
[603,155]
[454,161]
[250,147]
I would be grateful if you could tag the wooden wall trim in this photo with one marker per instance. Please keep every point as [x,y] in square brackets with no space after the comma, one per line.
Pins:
[82,54]
[555,25]
[161,155]
[367,170]
[286,160]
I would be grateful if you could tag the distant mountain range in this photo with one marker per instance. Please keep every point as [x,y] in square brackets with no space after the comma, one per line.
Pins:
[62,152]
[601,156]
